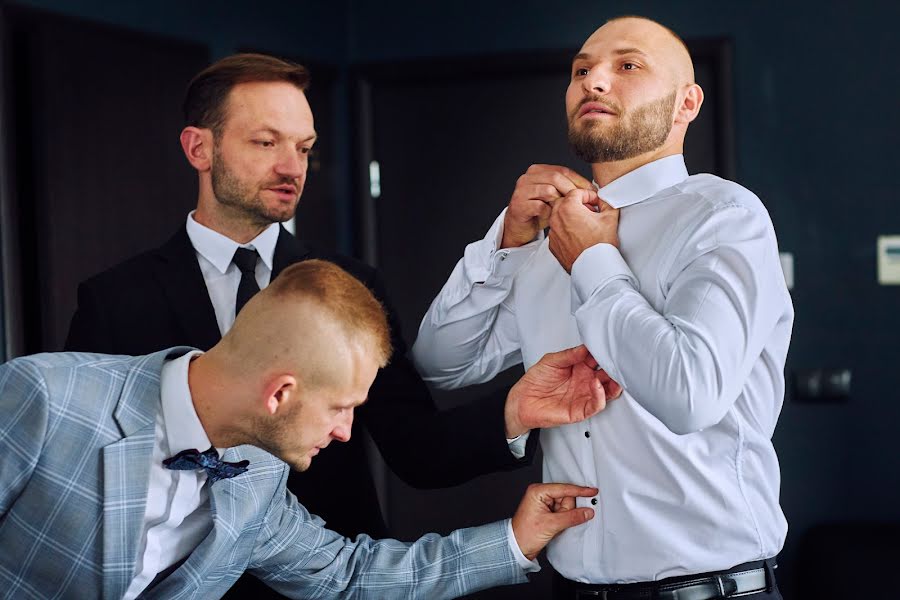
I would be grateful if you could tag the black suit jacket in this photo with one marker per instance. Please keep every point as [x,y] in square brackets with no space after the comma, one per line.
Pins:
[159,299]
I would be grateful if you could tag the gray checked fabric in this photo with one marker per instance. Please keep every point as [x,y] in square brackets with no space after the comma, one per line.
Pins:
[76,436]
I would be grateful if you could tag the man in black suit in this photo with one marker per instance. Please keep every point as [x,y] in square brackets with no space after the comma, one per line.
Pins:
[249,132]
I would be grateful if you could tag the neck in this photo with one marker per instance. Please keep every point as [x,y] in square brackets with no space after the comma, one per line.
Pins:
[606,172]
[213,393]
[226,221]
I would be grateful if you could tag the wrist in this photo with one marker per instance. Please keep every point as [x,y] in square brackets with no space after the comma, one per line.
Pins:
[514,428]
[512,241]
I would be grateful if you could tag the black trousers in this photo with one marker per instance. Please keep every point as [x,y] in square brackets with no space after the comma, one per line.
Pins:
[563,589]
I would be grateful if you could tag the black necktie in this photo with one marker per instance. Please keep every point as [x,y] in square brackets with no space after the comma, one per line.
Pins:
[216,468]
[245,259]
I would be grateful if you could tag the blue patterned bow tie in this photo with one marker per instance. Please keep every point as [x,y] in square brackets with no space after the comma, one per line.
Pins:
[216,468]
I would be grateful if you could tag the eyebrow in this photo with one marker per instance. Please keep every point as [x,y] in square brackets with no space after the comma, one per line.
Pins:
[277,133]
[623,51]
[619,52]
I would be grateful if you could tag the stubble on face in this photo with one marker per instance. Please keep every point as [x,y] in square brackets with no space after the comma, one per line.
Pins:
[637,131]
[242,197]
[279,438]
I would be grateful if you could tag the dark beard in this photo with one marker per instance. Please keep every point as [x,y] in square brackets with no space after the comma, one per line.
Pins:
[231,192]
[641,130]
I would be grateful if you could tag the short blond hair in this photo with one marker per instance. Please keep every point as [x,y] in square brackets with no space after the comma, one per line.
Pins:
[341,296]
[311,320]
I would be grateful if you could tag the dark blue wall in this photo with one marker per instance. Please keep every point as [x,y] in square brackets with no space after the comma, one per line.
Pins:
[816,100]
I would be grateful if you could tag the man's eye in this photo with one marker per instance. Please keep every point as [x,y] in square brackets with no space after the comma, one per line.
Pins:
[265,143]
[629,66]
[581,72]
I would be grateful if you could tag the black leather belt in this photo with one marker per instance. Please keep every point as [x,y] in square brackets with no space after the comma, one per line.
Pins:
[742,580]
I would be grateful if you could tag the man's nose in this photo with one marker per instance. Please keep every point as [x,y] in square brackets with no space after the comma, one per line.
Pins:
[343,429]
[597,80]
[291,164]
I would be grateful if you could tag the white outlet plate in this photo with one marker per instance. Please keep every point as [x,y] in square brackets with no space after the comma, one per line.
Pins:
[889,259]
[787,265]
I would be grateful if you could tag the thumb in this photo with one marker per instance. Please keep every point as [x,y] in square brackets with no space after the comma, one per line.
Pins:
[567,357]
[591,199]
[560,521]
[604,205]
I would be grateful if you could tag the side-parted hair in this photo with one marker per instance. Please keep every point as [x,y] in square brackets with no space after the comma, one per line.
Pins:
[343,299]
[205,100]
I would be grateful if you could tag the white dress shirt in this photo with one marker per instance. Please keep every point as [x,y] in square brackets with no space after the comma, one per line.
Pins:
[692,316]
[222,277]
[177,517]
[214,254]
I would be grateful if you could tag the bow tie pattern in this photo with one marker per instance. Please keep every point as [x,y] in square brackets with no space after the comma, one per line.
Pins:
[215,467]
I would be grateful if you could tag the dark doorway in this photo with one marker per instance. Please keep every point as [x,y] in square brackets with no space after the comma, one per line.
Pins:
[450,138]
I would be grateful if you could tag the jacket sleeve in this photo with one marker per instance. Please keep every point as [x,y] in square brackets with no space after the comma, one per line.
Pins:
[299,558]
[424,446]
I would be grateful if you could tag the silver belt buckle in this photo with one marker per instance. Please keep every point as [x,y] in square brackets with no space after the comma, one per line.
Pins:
[600,595]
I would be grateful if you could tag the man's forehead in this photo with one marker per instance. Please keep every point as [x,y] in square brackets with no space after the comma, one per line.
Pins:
[273,102]
[629,33]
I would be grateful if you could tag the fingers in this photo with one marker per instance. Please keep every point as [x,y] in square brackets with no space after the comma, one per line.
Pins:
[577,200]
[561,521]
[612,388]
[567,503]
[567,357]
[606,206]
[598,399]
[558,491]
[558,174]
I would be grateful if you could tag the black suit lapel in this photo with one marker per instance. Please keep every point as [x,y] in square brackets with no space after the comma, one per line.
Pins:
[182,283]
[288,250]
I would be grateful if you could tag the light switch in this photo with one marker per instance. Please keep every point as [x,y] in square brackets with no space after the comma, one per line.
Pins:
[889,259]
[787,265]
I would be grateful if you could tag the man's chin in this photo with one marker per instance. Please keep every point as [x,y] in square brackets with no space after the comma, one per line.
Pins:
[300,464]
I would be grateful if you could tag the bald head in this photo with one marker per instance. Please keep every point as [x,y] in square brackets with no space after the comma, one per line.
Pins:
[631,97]
[652,38]
[314,320]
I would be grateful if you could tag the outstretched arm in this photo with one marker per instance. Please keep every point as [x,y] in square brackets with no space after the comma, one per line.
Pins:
[300,559]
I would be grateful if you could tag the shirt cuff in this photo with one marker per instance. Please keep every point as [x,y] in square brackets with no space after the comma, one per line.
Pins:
[517,444]
[496,262]
[595,268]
[529,566]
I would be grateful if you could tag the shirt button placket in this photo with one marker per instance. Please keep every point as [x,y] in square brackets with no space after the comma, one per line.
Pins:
[592,550]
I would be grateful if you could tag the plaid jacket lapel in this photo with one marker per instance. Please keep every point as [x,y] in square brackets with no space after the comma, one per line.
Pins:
[126,471]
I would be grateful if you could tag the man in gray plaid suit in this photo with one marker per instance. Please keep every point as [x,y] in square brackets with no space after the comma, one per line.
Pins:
[90,506]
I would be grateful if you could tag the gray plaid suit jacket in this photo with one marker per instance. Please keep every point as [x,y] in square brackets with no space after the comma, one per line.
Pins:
[76,436]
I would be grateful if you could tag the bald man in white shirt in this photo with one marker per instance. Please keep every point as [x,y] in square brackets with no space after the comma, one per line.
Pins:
[674,284]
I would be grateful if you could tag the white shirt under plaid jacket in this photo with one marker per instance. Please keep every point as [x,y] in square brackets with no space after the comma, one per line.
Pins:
[76,435]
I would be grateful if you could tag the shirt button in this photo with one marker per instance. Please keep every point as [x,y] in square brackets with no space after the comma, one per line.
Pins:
[587,434]
[503,257]
[594,501]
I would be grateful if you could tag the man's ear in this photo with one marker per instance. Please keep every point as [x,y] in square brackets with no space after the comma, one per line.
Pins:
[197,146]
[281,391]
[690,106]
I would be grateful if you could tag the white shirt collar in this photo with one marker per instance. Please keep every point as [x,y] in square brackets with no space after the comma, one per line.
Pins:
[644,182]
[182,426]
[219,249]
